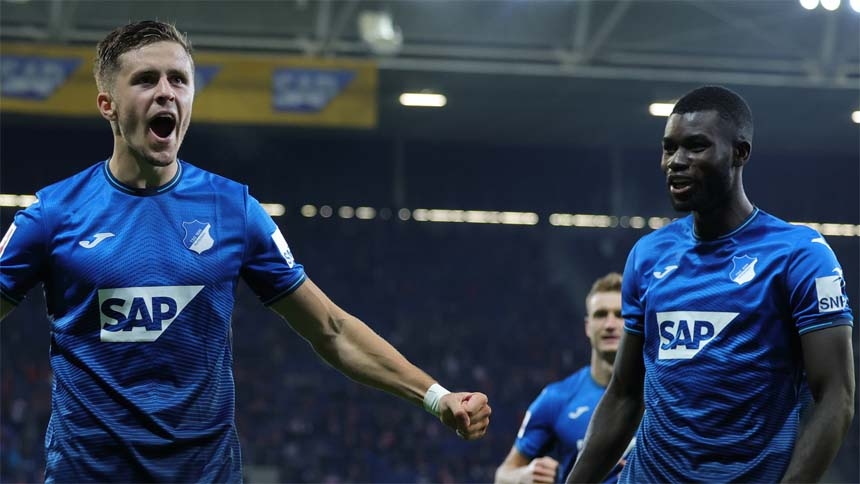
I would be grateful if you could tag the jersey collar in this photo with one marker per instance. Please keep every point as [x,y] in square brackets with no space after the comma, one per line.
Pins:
[143,192]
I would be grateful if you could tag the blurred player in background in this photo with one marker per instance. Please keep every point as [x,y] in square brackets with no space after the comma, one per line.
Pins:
[140,256]
[554,426]
[724,309]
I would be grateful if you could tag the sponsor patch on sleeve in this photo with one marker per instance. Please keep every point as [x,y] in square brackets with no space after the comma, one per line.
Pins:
[828,290]
[283,247]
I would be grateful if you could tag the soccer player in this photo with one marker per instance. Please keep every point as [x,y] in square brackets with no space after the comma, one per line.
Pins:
[140,256]
[553,428]
[724,309]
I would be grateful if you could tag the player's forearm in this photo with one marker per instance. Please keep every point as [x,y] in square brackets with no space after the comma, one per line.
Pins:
[821,436]
[612,426]
[364,356]
[510,474]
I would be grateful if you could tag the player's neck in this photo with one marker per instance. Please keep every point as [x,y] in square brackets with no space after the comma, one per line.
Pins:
[601,369]
[722,220]
[139,173]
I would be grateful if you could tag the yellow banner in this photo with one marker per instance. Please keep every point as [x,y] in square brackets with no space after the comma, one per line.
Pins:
[231,88]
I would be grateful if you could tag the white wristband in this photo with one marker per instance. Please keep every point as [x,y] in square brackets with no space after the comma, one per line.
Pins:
[432,397]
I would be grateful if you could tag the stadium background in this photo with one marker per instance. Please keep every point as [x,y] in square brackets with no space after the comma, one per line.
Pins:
[547,114]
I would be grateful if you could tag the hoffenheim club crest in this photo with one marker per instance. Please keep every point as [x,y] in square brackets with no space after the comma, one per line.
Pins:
[743,269]
[197,236]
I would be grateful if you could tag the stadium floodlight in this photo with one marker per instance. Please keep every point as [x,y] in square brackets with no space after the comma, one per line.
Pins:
[855,5]
[423,99]
[661,109]
[830,4]
[379,33]
[308,211]
[809,4]
[855,116]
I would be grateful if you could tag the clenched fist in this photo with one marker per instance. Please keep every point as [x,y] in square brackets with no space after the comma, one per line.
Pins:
[467,413]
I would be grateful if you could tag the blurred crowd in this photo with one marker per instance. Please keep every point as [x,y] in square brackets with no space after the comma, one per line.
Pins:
[496,309]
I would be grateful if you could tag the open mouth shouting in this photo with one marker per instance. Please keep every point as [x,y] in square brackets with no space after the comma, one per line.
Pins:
[162,126]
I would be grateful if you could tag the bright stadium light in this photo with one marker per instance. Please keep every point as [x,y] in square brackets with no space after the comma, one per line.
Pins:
[661,109]
[423,99]
[855,5]
[809,4]
[309,211]
[855,116]
[365,213]
[274,209]
[830,4]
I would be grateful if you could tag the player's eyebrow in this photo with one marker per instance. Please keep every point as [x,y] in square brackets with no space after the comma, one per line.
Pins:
[696,138]
[151,71]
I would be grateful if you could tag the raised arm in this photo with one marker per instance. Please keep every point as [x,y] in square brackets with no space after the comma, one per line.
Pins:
[354,349]
[616,417]
[828,358]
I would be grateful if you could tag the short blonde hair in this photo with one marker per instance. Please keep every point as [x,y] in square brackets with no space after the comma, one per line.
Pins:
[609,283]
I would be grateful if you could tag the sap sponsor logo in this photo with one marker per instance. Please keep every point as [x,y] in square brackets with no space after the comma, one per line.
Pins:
[283,247]
[829,291]
[307,90]
[683,334]
[197,236]
[33,77]
[141,314]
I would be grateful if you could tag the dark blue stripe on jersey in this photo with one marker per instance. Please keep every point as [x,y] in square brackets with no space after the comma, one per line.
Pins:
[829,324]
[287,292]
[143,192]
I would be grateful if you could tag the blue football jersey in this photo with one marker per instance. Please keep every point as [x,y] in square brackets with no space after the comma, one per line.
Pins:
[556,421]
[140,288]
[721,321]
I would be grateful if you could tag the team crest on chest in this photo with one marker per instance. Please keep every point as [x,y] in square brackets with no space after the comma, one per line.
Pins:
[197,236]
[743,269]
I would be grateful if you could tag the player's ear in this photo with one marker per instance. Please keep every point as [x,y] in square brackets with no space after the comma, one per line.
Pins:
[741,153]
[106,106]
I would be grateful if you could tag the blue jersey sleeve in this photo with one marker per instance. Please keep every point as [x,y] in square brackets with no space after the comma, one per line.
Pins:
[632,302]
[817,294]
[22,254]
[268,267]
[537,435]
